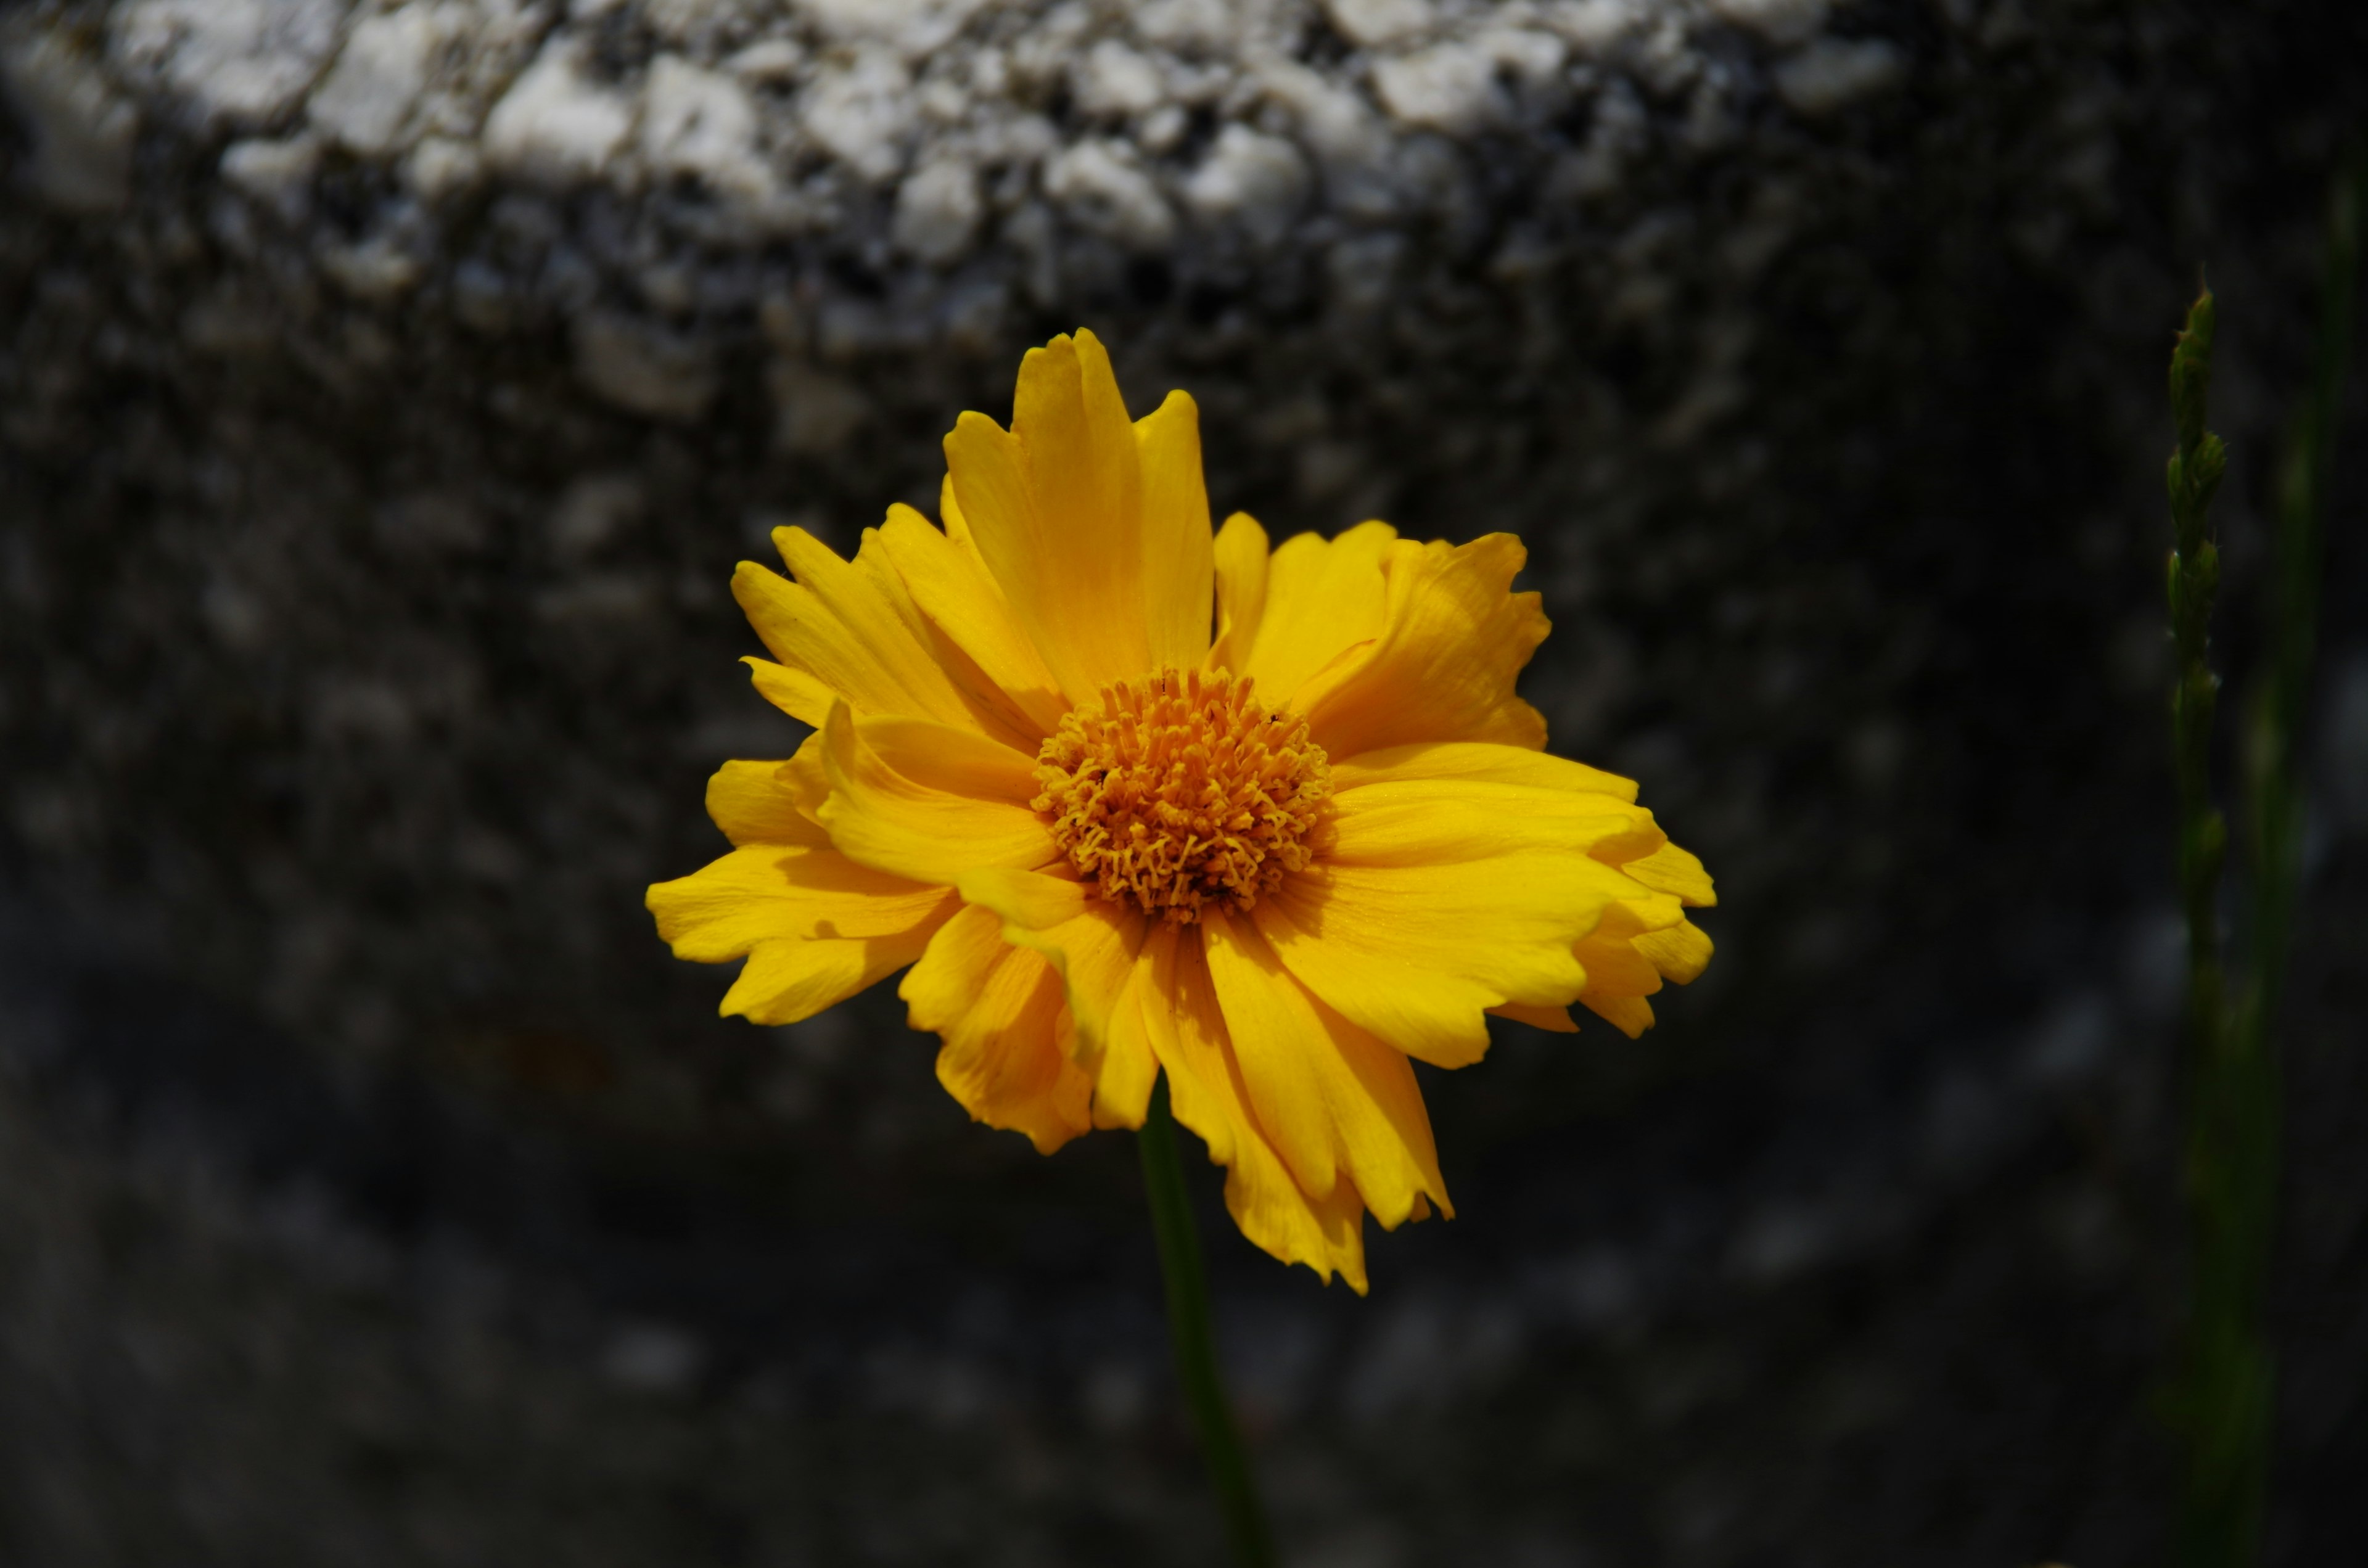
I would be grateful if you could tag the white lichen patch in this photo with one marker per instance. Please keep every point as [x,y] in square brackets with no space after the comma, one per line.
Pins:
[555,126]
[863,113]
[1103,189]
[441,165]
[937,211]
[1186,26]
[1595,25]
[240,62]
[1256,181]
[1116,80]
[1832,73]
[369,93]
[1451,88]
[1372,22]
[701,124]
[277,172]
[912,27]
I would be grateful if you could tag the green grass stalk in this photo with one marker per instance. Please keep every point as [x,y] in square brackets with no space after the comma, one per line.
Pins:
[1196,1352]
[2273,744]
[2221,1400]
[2228,1392]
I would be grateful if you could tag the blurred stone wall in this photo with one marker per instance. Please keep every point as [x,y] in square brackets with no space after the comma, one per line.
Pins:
[392,390]
[385,391]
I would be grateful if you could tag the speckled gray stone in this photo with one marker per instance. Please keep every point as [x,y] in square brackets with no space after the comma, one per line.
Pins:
[424,366]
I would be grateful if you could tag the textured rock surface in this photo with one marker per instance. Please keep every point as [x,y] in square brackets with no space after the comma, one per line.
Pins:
[386,391]
[424,367]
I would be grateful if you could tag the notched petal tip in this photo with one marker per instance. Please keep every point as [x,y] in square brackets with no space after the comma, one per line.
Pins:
[999,1013]
[802,551]
[1632,1015]
[792,690]
[1670,869]
[1178,405]
[1554,1020]
[1681,953]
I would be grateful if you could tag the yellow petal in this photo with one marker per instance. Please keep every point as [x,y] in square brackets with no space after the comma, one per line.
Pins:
[957,529]
[927,801]
[814,926]
[1415,821]
[1614,967]
[1083,462]
[1681,953]
[1274,1215]
[1090,941]
[1632,1015]
[788,983]
[1480,762]
[1129,1067]
[794,692]
[1338,1103]
[1413,939]
[1094,568]
[1673,870]
[1323,598]
[1187,1034]
[943,757]
[1555,1021]
[1241,591]
[753,803]
[805,779]
[955,590]
[1029,901]
[852,627]
[1442,665]
[1177,547]
[767,891]
[999,1012]
[1639,942]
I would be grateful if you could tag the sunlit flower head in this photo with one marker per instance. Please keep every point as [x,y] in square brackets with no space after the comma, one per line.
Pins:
[1274,858]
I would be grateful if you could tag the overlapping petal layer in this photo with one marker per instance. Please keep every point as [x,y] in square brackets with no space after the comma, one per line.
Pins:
[1455,869]
[998,1009]
[1090,942]
[1313,602]
[1335,1102]
[954,589]
[816,927]
[851,631]
[927,801]
[1188,1031]
[1440,667]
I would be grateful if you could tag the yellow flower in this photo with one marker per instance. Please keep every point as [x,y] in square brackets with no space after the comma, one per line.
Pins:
[1275,862]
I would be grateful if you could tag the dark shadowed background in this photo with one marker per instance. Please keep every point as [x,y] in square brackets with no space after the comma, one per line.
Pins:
[386,390]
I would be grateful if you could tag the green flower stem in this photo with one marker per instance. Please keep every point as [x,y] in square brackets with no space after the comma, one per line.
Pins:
[1196,1350]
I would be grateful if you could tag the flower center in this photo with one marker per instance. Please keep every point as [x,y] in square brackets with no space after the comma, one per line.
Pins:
[1182,789]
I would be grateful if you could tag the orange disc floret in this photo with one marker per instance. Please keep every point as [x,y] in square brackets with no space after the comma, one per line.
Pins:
[1183,789]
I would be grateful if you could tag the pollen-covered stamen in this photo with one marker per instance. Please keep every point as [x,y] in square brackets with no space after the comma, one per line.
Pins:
[1181,790]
